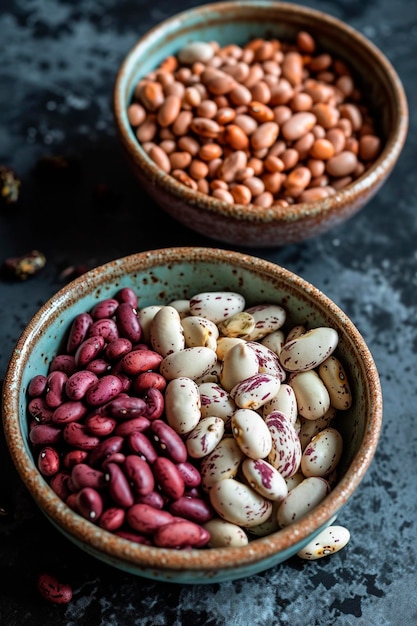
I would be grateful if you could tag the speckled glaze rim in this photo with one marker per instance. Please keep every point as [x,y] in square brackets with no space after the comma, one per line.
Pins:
[137,557]
[356,192]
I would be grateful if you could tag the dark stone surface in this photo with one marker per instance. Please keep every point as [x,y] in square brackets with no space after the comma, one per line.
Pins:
[58,64]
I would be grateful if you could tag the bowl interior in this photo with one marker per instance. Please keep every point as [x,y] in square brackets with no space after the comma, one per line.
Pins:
[158,277]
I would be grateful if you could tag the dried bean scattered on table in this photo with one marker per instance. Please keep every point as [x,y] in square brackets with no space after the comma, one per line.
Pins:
[179,445]
[269,122]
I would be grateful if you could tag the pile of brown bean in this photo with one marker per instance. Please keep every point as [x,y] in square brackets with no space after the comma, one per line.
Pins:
[267,123]
[151,414]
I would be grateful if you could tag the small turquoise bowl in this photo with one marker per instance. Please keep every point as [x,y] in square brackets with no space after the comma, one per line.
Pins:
[238,22]
[159,276]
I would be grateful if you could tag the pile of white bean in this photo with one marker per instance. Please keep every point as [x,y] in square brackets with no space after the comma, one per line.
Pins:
[196,423]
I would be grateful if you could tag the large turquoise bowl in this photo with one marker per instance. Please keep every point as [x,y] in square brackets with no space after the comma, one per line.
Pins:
[159,276]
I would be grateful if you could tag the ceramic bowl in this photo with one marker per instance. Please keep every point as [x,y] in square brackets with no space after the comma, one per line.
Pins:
[158,277]
[238,22]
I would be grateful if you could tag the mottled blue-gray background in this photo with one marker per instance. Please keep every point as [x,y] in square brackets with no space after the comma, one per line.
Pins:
[58,64]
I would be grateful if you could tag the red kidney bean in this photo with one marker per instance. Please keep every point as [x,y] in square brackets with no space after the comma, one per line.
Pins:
[98,366]
[104,308]
[52,590]
[48,461]
[88,350]
[131,536]
[154,499]
[115,457]
[146,519]
[127,427]
[73,457]
[127,407]
[148,380]
[168,441]
[71,411]
[140,443]
[59,483]
[44,435]
[139,475]
[168,477]
[194,509]
[125,380]
[117,348]
[140,360]
[127,294]
[128,322]
[82,475]
[89,503]
[180,534]
[72,502]
[155,404]
[63,363]
[107,328]
[100,425]
[38,409]
[55,390]
[112,518]
[119,488]
[37,386]
[104,449]
[190,474]
[78,331]
[104,390]
[78,436]
[78,383]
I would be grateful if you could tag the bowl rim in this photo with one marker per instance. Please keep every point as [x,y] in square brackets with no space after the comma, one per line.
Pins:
[163,559]
[365,184]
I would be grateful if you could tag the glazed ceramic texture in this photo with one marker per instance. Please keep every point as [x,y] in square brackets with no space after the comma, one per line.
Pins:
[159,276]
[232,22]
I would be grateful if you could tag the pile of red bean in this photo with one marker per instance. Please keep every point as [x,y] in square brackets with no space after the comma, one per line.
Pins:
[145,419]
[267,123]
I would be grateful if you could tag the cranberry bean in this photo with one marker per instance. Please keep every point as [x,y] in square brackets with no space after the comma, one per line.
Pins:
[147,519]
[139,475]
[119,489]
[52,590]
[168,441]
[78,383]
[88,350]
[89,503]
[78,436]
[82,475]
[104,390]
[48,461]
[180,534]
[78,331]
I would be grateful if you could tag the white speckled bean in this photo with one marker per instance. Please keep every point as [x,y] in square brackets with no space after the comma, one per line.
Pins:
[302,499]
[166,332]
[238,503]
[310,428]
[237,325]
[224,344]
[274,341]
[199,331]
[239,363]
[216,401]
[286,452]
[225,534]
[145,317]
[285,402]
[182,306]
[268,527]
[182,404]
[196,51]
[204,437]
[265,479]
[294,480]
[268,318]
[211,376]
[190,362]
[322,455]
[328,541]
[313,399]
[309,350]
[332,373]
[216,305]
[251,433]
[268,360]
[223,462]
[253,392]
